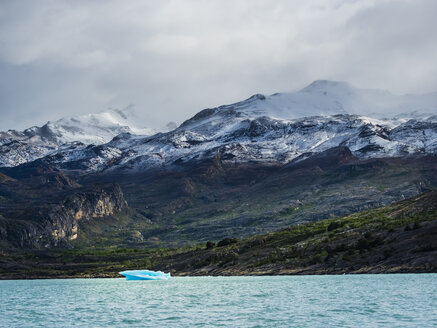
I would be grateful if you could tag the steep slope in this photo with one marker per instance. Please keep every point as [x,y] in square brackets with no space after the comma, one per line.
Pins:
[17,147]
[276,129]
[393,239]
[214,199]
[327,98]
[264,140]
[397,238]
[269,129]
[54,221]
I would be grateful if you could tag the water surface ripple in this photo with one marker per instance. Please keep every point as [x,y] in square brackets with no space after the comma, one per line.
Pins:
[403,300]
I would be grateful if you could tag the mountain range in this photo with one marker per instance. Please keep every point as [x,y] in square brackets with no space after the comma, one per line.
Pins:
[249,167]
[279,128]
[18,147]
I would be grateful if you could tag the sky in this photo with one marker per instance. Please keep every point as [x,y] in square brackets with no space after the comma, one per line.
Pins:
[171,59]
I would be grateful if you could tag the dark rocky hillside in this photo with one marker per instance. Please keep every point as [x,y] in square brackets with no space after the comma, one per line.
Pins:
[212,200]
[41,206]
[398,238]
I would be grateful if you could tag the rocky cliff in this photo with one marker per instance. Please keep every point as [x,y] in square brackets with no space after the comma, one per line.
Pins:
[58,224]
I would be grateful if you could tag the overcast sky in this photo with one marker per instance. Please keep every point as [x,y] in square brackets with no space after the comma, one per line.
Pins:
[173,58]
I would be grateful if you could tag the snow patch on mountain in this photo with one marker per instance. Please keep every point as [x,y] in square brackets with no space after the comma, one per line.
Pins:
[264,140]
[270,129]
[326,98]
[17,147]
[93,128]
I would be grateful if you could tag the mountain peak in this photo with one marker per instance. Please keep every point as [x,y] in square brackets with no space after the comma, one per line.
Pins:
[109,117]
[327,85]
[275,121]
[96,129]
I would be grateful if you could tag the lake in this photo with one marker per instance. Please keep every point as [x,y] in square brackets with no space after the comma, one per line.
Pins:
[400,300]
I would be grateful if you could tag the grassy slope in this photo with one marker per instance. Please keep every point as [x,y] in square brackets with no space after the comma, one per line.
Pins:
[397,238]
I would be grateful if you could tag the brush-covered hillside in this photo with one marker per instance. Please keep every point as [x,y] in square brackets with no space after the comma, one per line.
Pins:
[398,238]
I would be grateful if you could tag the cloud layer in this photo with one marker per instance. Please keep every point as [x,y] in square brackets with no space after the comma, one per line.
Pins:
[173,58]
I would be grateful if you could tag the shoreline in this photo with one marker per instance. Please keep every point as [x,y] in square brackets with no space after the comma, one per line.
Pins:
[363,271]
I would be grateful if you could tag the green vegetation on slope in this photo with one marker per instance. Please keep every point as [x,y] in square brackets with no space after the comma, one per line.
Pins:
[397,238]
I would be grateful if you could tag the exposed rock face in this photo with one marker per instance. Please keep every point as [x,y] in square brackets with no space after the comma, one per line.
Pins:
[58,224]
[86,206]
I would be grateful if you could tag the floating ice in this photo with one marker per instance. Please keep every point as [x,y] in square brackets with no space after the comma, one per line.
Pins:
[145,275]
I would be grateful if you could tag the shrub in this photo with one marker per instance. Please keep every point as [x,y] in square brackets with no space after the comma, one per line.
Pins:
[210,245]
[334,225]
[227,241]
[324,254]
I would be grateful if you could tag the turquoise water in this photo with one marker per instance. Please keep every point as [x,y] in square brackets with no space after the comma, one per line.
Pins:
[408,300]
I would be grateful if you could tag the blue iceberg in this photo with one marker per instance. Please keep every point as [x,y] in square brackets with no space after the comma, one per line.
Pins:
[145,275]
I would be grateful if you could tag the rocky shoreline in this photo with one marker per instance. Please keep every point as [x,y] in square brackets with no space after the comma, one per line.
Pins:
[296,272]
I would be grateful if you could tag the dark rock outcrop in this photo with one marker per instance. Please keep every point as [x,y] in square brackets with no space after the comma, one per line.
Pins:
[57,224]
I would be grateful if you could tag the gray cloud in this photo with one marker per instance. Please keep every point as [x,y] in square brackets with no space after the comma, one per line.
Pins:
[174,58]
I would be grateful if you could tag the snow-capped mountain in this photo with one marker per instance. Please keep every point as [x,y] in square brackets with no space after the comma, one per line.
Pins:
[277,129]
[324,98]
[17,147]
